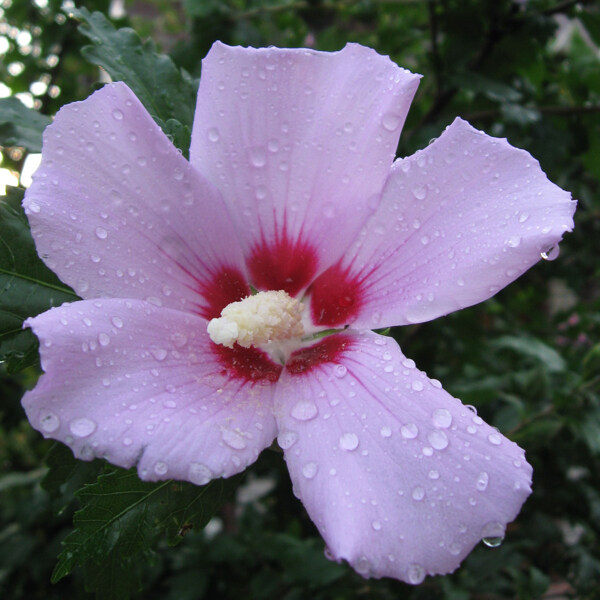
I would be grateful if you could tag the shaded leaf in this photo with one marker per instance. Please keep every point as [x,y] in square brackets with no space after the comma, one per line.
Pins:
[27,286]
[167,92]
[122,514]
[534,349]
[21,126]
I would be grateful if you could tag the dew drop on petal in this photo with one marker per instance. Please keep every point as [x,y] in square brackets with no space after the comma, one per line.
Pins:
[551,253]
[385,431]
[233,439]
[199,474]
[340,371]
[362,566]
[409,431]
[117,114]
[433,474]
[309,470]
[158,353]
[417,385]
[482,481]
[82,427]
[442,418]
[495,438]
[160,468]
[304,410]
[415,574]
[103,339]
[49,422]
[418,493]
[117,322]
[213,134]
[101,233]
[438,439]
[348,441]
[286,439]
[376,525]
[390,121]
[492,534]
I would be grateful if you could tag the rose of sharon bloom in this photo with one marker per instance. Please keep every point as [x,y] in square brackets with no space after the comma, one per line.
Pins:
[173,363]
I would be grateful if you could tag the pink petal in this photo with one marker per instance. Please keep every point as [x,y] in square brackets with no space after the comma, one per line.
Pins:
[299,142]
[401,479]
[115,210]
[138,384]
[458,221]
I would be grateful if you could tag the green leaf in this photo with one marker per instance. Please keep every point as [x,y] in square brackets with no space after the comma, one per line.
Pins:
[27,286]
[122,515]
[167,92]
[21,126]
[534,349]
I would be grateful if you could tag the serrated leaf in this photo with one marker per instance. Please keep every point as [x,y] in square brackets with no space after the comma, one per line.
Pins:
[66,474]
[534,349]
[167,92]
[27,286]
[122,514]
[21,126]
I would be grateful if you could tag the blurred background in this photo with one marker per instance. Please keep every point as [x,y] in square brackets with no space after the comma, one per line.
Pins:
[528,359]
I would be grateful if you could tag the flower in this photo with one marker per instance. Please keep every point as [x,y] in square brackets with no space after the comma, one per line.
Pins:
[290,192]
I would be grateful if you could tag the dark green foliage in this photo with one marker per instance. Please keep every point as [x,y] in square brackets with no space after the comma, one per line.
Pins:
[27,286]
[529,359]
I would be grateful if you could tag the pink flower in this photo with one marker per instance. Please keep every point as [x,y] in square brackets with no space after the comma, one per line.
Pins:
[290,186]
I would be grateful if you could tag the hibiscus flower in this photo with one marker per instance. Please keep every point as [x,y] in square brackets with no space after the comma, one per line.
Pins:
[228,300]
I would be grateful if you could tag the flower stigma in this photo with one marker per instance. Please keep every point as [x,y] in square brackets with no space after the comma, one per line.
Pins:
[263,318]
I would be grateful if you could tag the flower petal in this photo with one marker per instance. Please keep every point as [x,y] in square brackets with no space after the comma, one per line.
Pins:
[458,221]
[299,142]
[115,210]
[401,479]
[138,384]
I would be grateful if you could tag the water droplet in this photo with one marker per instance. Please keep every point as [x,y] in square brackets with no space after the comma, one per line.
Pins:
[420,192]
[442,418]
[482,481]
[127,441]
[33,207]
[433,474]
[160,468]
[409,363]
[213,134]
[438,439]
[492,534]
[258,156]
[117,322]
[409,431]
[233,439]
[199,474]
[286,439]
[376,525]
[309,470]
[415,574]
[82,427]
[340,371]
[417,385]
[158,353]
[385,431]
[49,422]
[117,114]
[103,339]
[304,410]
[514,241]
[349,441]
[362,566]
[418,493]
[523,217]
[101,233]
[551,253]
[495,438]
[492,542]
[391,121]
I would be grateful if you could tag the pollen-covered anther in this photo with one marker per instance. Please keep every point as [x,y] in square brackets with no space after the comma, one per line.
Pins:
[265,317]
